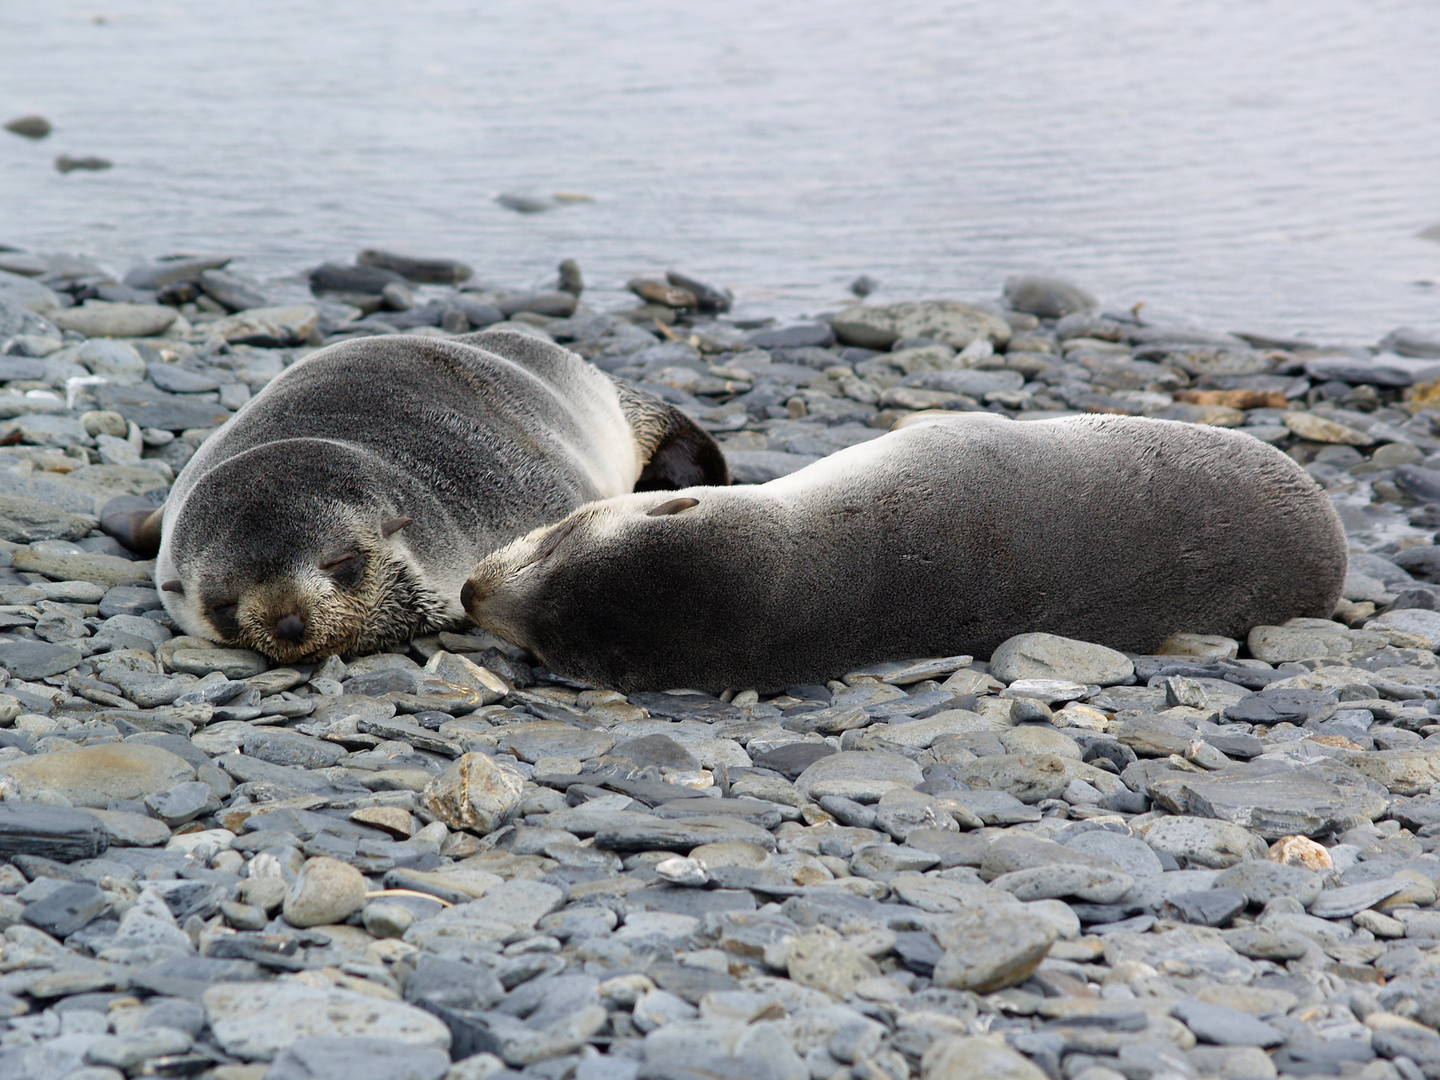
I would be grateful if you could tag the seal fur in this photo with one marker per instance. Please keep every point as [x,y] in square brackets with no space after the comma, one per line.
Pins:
[948,535]
[341,510]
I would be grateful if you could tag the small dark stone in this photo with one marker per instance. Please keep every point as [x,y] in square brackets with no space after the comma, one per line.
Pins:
[1320,1057]
[818,335]
[918,951]
[691,983]
[571,280]
[702,707]
[1208,907]
[67,909]
[230,292]
[707,297]
[660,751]
[129,600]
[1424,599]
[1407,342]
[424,271]
[1422,561]
[864,285]
[1418,481]
[33,126]
[559,305]
[480,315]
[179,380]
[335,277]
[791,759]
[524,204]
[1277,706]
[65,163]
[1350,369]
[453,984]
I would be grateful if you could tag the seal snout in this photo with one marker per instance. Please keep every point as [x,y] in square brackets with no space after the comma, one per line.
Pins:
[290,628]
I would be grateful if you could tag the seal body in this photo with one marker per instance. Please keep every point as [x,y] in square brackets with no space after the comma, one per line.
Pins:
[945,536]
[341,509]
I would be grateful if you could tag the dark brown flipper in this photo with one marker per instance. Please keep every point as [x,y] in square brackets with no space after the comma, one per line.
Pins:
[135,522]
[678,453]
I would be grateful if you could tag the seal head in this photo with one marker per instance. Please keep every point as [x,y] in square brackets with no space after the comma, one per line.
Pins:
[317,564]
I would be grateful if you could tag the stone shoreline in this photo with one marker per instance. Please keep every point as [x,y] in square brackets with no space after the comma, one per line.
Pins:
[1056,861]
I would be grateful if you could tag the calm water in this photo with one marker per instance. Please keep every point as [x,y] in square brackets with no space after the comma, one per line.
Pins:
[1251,164]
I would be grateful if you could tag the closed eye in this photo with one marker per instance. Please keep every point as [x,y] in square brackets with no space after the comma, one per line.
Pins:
[223,618]
[345,569]
[554,539]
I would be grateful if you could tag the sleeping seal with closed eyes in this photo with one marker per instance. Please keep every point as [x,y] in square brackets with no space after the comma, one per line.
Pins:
[341,509]
[948,535]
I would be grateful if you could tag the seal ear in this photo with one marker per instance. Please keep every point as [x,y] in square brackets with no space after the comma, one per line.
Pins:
[674,506]
[394,525]
[172,586]
[676,451]
[134,521]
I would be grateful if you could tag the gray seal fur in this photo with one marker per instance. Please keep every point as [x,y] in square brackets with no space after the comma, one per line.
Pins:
[341,510]
[948,535]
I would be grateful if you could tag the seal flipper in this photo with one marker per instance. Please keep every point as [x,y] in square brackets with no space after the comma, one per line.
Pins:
[677,452]
[135,521]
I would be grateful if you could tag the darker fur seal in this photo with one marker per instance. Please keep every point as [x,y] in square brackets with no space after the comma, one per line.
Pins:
[948,535]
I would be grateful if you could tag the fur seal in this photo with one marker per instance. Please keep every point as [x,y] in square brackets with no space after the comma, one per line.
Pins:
[948,535]
[342,508]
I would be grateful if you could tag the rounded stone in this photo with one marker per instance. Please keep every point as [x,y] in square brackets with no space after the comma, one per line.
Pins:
[1048,656]
[99,775]
[860,775]
[326,891]
[1204,842]
[978,1058]
[98,318]
[1262,880]
[990,948]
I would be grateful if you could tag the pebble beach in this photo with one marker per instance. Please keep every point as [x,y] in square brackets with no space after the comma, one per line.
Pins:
[1058,861]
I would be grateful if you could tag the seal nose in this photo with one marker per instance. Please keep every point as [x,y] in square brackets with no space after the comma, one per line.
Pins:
[290,628]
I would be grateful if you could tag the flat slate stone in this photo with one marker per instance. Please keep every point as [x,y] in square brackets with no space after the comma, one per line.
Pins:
[681,835]
[352,1058]
[67,909]
[1208,907]
[1225,1026]
[1350,899]
[28,659]
[54,831]
[1272,800]
[151,407]
[702,707]
[860,775]
[255,1021]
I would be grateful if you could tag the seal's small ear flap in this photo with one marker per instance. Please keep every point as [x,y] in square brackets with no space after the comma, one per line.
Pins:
[394,525]
[134,521]
[674,506]
[172,586]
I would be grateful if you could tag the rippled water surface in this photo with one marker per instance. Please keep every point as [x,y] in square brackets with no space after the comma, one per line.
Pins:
[1256,165]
